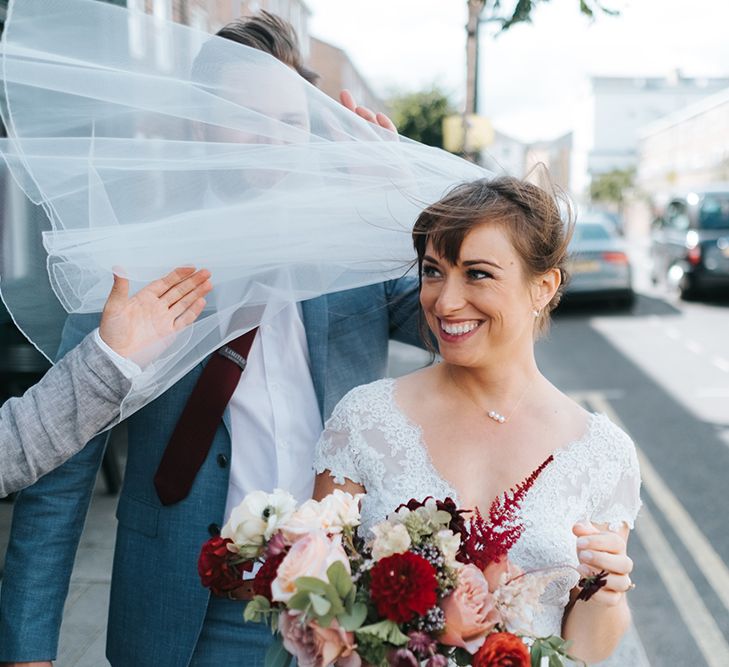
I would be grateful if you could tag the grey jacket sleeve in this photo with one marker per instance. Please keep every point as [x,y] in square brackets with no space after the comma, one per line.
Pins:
[55,418]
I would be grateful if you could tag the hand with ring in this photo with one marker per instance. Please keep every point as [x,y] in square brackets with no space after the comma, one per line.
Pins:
[603,550]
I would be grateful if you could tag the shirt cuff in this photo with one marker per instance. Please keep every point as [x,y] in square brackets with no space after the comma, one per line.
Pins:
[128,368]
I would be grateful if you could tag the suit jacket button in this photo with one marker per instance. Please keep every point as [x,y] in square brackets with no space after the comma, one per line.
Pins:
[222,460]
[214,529]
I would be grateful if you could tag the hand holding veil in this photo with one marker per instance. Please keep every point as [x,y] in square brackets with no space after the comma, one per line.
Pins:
[200,152]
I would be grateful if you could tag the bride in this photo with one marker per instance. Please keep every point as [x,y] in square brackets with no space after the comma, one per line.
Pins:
[491,258]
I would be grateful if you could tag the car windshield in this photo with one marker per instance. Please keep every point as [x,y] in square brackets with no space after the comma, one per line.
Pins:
[714,212]
[590,231]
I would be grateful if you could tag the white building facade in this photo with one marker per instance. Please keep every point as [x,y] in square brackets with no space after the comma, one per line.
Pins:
[613,112]
[685,149]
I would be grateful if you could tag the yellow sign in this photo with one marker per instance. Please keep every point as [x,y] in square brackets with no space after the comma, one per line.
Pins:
[476,133]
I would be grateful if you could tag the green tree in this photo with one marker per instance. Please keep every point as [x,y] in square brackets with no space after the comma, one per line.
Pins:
[420,115]
[612,187]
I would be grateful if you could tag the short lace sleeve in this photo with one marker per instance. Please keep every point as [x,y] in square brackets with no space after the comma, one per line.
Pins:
[350,446]
[334,451]
[618,496]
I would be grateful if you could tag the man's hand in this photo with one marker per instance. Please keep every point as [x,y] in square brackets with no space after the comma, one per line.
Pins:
[26,664]
[345,97]
[164,307]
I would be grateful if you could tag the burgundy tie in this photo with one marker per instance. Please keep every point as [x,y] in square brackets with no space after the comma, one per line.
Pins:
[191,440]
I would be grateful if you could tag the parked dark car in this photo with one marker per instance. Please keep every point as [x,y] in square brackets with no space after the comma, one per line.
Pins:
[599,267]
[690,243]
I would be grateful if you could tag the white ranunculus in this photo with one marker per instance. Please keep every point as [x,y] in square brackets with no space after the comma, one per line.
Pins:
[339,510]
[330,515]
[306,519]
[449,543]
[389,539]
[256,519]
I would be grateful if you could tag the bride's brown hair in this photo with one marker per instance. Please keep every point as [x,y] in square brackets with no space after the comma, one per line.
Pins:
[539,223]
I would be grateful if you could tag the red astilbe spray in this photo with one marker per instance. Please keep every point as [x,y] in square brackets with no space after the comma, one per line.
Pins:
[489,540]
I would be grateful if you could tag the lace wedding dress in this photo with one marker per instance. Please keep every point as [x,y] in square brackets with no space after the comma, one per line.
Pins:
[371,442]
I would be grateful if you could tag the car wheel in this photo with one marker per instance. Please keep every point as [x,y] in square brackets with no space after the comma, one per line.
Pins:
[625,302]
[687,289]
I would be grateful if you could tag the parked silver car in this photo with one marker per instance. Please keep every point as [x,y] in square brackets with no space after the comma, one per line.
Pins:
[599,267]
[690,242]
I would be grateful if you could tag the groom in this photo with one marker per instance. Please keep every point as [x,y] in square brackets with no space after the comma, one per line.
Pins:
[299,366]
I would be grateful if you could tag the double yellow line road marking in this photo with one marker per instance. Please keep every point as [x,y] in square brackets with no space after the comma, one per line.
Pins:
[698,619]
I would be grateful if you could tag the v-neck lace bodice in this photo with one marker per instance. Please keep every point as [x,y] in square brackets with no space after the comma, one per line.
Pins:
[370,441]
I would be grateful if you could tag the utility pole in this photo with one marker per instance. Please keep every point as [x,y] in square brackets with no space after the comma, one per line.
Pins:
[475,7]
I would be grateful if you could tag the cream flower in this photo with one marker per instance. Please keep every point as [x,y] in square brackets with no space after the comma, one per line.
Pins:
[389,539]
[449,543]
[330,515]
[256,519]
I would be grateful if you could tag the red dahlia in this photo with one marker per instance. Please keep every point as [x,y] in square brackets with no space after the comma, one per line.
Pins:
[403,586]
[216,567]
[266,575]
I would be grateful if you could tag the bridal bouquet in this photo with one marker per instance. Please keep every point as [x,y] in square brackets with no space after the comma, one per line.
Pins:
[429,588]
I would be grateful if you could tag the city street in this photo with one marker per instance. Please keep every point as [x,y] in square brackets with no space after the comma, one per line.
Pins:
[662,373]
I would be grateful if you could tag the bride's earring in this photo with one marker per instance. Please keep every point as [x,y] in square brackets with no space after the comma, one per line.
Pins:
[535,312]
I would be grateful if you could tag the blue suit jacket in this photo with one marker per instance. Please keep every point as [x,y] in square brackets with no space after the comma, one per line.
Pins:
[157,602]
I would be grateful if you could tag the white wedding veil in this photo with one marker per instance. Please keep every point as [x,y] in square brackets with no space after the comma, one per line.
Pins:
[196,151]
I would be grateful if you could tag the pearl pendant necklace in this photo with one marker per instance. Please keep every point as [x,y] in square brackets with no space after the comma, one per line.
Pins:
[497,417]
[493,414]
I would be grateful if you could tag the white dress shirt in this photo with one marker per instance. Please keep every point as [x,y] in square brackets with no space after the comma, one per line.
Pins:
[274,414]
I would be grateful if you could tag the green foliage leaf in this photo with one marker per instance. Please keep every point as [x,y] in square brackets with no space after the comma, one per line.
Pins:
[257,609]
[319,604]
[372,650]
[387,631]
[311,585]
[555,648]
[340,579]
[352,619]
[277,655]
[462,657]
[299,601]
[536,654]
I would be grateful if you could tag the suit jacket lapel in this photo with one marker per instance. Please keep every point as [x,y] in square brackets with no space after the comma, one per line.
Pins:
[316,324]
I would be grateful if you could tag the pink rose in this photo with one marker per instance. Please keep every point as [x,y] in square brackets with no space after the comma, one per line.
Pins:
[313,646]
[469,611]
[310,556]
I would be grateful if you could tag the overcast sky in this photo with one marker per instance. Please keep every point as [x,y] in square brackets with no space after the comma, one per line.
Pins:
[533,75]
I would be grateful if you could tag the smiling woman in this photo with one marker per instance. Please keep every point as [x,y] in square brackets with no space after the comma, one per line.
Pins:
[526,239]
[491,257]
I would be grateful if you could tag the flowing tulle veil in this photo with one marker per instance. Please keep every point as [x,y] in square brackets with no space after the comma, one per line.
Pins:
[194,150]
